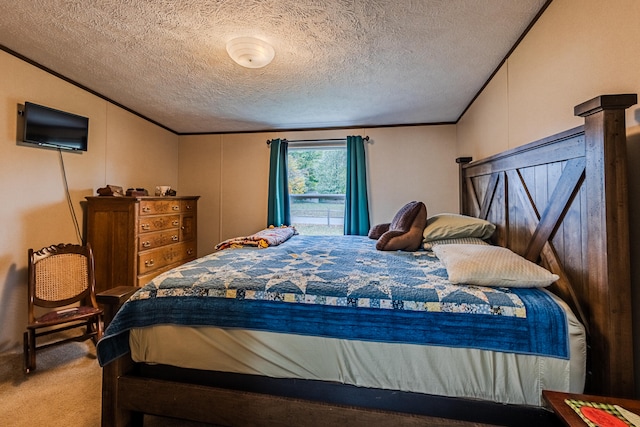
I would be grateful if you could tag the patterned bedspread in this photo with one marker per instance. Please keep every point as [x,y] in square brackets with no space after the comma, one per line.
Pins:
[342,287]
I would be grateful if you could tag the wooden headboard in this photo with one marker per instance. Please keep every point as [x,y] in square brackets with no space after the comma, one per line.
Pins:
[562,202]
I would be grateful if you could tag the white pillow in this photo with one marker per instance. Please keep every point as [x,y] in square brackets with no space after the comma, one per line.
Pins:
[453,226]
[491,266]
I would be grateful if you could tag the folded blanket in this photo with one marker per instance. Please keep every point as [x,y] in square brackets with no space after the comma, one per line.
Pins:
[271,236]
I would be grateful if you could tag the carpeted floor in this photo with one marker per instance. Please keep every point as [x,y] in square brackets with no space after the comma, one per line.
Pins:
[64,390]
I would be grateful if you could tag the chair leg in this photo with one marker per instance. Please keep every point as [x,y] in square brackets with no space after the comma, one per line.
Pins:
[29,351]
[25,353]
[96,326]
[91,329]
[99,326]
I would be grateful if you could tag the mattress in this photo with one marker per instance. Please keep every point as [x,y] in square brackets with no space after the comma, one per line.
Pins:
[438,370]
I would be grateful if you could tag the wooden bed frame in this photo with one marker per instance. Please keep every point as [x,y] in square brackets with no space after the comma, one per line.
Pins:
[561,201]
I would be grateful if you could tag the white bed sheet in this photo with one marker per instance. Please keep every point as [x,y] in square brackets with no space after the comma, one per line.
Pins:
[455,372]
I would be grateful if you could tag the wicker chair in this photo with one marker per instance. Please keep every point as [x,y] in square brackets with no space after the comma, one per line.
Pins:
[61,277]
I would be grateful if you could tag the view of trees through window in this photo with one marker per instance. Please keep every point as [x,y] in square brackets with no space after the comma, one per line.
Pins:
[317,185]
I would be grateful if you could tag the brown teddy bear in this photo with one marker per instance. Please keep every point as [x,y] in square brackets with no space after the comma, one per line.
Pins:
[404,232]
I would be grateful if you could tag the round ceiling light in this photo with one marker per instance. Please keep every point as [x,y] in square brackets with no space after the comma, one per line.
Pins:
[250,52]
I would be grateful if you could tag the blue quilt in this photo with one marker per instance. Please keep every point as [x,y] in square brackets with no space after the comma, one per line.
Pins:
[342,287]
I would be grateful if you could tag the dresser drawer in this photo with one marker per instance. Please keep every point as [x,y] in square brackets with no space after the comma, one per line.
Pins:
[146,278]
[188,206]
[164,256]
[157,223]
[159,207]
[154,240]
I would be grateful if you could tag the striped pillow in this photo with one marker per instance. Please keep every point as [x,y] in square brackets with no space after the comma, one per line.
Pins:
[462,240]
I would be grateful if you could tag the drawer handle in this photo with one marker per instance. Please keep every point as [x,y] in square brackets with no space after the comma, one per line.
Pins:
[175,237]
[145,226]
[189,251]
[146,244]
[146,209]
[188,207]
[149,263]
[175,208]
[176,223]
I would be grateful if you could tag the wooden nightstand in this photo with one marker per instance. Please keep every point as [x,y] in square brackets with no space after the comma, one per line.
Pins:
[570,418]
[112,299]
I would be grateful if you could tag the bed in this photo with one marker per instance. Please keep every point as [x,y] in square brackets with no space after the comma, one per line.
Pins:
[560,202]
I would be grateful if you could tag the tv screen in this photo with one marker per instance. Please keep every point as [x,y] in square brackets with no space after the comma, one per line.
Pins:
[52,128]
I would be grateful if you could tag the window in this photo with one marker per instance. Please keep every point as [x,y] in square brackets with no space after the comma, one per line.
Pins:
[317,186]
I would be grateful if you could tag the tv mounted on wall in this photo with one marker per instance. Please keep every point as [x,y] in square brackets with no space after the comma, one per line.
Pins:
[50,128]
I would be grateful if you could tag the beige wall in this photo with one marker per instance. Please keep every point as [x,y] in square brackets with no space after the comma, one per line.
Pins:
[579,49]
[412,163]
[200,175]
[230,173]
[35,211]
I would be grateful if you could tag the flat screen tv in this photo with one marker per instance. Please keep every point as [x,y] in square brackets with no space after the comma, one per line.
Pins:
[51,128]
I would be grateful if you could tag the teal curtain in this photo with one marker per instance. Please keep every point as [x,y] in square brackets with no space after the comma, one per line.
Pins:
[279,212]
[356,210]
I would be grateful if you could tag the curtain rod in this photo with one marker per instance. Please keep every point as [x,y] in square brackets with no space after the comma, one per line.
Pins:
[365,138]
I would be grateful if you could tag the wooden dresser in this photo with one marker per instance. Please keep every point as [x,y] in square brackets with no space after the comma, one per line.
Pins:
[136,238]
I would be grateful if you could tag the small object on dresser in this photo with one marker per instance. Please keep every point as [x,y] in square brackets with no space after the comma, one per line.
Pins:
[135,192]
[111,190]
[163,190]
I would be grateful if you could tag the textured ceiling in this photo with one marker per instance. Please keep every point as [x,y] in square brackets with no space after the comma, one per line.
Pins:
[338,63]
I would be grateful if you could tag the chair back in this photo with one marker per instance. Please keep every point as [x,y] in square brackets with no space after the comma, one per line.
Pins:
[61,275]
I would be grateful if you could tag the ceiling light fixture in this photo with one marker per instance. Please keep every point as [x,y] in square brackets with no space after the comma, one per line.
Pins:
[250,52]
